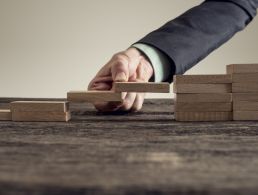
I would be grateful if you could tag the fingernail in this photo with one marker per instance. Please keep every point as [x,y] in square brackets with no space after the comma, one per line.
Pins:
[120,77]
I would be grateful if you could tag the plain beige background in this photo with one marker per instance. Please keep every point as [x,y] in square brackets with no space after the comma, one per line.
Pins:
[48,47]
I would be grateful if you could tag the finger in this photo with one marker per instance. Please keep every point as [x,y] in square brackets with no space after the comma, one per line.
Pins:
[95,82]
[120,68]
[101,86]
[144,73]
[103,79]
[128,102]
[137,105]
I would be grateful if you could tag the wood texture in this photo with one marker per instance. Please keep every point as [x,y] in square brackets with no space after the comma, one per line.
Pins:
[94,96]
[203,97]
[128,153]
[203,107]
[245,115]
[202,79]
[41,116]
[242,68]
[202,88]
[5,115]
[203,116]
[245,106]
[244,78]
[245,87]
[40,106]
[245,97]
[142,87]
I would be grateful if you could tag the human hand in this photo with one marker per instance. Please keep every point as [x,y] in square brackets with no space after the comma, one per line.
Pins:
[126,66]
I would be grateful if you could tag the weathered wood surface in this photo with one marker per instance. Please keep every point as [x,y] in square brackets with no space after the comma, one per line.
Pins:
[143,153]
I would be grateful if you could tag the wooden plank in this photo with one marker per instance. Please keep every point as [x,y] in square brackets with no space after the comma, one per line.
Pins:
[245,87]
[41,116]
[203,97]
[245,97]
[5,115]
[203,79]
[94,96]
[245,115]
[242,68]
[203,116]
[245,106]
[244,78]
[203,107]
[142,87]
[202,88]
[40,106]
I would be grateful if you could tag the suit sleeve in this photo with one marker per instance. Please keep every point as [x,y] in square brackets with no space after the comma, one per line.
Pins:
[192,36]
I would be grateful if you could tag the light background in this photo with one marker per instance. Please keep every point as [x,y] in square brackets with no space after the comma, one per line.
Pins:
[48,47]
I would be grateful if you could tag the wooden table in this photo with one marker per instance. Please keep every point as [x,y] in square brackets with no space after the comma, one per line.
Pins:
[143,153]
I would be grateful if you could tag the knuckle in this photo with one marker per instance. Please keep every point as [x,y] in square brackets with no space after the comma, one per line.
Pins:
[120,58]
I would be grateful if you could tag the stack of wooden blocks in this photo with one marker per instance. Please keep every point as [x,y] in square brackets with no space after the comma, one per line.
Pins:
[245,91]
[38,111]
[203,97]
[58,111]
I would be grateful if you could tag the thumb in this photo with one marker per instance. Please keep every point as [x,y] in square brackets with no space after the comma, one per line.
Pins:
[120,69]
[121,77]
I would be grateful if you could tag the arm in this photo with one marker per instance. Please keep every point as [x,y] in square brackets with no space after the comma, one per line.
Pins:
[192,36]
[181,43]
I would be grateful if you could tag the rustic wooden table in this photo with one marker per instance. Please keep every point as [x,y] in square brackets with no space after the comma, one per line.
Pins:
[143,153]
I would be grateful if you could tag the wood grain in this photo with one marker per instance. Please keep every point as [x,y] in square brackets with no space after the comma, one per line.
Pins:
[203,107]
[245,106]
[94,96]
[245,97]
[202,79]
[244,78]
[128,153]
[202,88]
[245,87]
[142,87]
[245,115]
[5,115]
[203,116]
[203,97]
[41,116]
[40,106]
[242,68]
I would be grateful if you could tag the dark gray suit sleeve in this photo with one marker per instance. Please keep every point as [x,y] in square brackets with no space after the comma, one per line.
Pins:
[195,34]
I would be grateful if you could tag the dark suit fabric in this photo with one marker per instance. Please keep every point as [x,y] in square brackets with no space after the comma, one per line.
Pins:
[195,34]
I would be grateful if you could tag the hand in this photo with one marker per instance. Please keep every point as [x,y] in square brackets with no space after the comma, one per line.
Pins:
[129,65]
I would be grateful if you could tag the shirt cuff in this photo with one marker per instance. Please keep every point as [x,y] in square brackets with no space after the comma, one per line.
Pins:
[159,61]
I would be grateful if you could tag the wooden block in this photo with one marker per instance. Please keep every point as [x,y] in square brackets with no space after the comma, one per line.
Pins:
[245,115]
[203,107]
[40,106]
[203,116]
[142,87]
[245,106]
[202,88]
[245,97]
[5,115]
[94,96]
[245,78]
[245,87]
[41,116]
[202,79]
[203,97]
[242,68]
